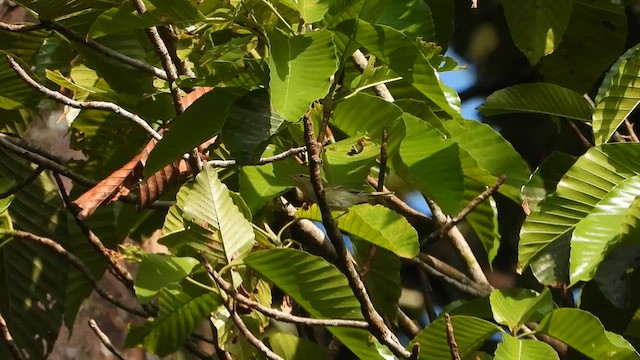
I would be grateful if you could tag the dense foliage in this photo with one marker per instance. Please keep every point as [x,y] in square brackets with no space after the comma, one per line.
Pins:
[193,118]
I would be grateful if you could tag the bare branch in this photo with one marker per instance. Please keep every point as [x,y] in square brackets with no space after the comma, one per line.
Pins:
[383,159]
[110,53]
[427,295]
[78,264]
[8,340]
[407,324]
[165,59]
[278,157]
[276,314]
[451,340]
[458,280]
[20,27]
[579,134]
[381,89]
[377,326]
[93,105]
[26,181]
[252,339]
[104,339]
[630,130]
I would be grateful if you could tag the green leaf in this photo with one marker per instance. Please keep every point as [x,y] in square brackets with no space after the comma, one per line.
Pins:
[537,26]
[411,17]
[405,58]
[210,206]
[433,164]
[15,92]
[442,14]
[470,333]
[158,271]
[349,161]
[596,235]
[483,220]
[33,277]
[514,307]
[201,121]
[585,333]
[540,98]
[250,124]
[618,95]
[176,10]
[6,185]
[596,35]
[180,313]
[546,234]
[291,347]
[313,10]
[543,181]
[524,349]
[121,20]
[321,289]
[493,153]
[259,184]
[57,8]
[617,275]
[292,86]
[375,224]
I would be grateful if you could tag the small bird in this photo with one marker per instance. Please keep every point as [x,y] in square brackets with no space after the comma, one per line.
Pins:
[338,197]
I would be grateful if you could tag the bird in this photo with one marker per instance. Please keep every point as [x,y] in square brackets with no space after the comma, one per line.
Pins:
[338,197]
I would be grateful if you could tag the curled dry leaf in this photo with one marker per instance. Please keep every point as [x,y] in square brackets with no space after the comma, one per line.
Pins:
[127,178]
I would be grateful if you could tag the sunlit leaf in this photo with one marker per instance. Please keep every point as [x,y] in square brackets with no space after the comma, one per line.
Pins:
[524,349]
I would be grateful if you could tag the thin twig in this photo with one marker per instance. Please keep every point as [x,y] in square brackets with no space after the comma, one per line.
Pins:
[473,204]
[461,282]
[104,339]
[93,105]
[20,185]
[459,243]
[275,11]
[20,27]
[8,340]
[252,339]
[276,314]
[427,294]
[108,52]
[278,157]
[407,324]
[383,159]
[377,326]
[78,264]
[451,340]
[120,272]
[579,134]
[630,130]
[415,351]
[165,59]
[381,89]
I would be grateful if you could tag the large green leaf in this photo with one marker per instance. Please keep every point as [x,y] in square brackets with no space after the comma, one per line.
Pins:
[524,349]
[120,20]
[34,277]
[321,289]
[180,313]
[291,347]
[201,121]
[537,26]
[595,37]
[56,8]
[292,86]
[176,10]
[15,92]
[544,180]
[411,17]
[545,235]
[433,164]
[375,224]
[210,206]
[541,98]
[597,234]
[618,95]
[405,58]
[250,124]
[348,162]
[470,333]
[514,307]
[585,333]
[312,10]
[483,220]
[492,153]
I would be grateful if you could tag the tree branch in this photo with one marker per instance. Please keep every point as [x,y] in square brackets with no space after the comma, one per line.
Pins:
[276,314]
[381,89]
[104,339]
[455,278]
[630,130]
[377,326]
[8,340]
[78,264]
[262,161]
[252,339]
[451,340]
[407,324]
[20,27]
[26,181]
[93,105]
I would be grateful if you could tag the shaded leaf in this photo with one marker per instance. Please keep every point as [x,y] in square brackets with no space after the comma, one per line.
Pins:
[520,349]
[541,98]
[411,17]
[543,181]
[291,347]
[514,307]
[158,271]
